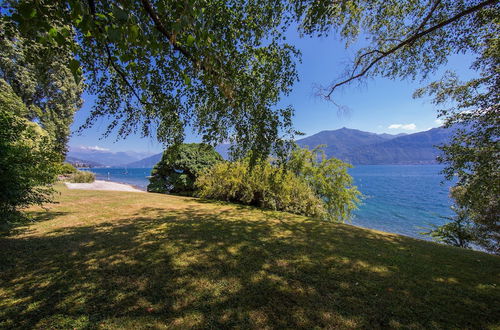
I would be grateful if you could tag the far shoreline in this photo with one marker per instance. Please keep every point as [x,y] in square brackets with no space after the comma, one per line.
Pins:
[101,177]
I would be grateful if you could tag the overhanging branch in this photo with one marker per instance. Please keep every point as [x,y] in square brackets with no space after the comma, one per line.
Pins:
[148,7]
[417,35]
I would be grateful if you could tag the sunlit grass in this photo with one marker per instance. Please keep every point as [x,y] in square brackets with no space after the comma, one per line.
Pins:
[127,260]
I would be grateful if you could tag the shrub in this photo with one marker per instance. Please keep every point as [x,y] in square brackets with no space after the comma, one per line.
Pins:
[459,231]
[329,180]
[263,186]
[82,177]
[28,163]
[180,166]
[67,169]
[302,185]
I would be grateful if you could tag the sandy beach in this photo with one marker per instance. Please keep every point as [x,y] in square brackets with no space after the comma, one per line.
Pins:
[103,185]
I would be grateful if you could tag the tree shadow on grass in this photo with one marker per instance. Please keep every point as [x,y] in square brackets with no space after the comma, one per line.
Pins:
[193,268]
[22,225]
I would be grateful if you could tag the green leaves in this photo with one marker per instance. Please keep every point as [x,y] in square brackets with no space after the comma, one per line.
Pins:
[304,185]
[190,40]
[27,10]
[180,166]
[186,78]
[165,66]
[76,70]
[27,158]
[120,14]
[133,32]
[329,180]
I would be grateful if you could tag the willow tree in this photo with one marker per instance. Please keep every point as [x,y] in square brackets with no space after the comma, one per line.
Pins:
[160,67]
[413,39]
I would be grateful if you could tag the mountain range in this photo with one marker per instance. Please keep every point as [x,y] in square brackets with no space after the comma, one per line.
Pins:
[364,148]
[222,149]
[100,157]
[350,145]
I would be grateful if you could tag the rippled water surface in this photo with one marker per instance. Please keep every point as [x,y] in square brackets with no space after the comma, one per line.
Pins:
[401,198]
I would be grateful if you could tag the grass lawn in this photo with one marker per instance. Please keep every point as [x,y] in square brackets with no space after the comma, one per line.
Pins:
[112,260]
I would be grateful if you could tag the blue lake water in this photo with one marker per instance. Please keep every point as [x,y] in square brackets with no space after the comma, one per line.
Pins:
[401,199]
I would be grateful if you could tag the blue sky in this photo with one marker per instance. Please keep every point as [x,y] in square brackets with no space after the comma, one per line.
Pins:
[378,105]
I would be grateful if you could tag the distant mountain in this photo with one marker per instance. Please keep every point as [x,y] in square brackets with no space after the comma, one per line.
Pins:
[341,141]
[364,148]
[82,163]
[146,162]
[359,147]
[417,148]
[105,157]
[222,149]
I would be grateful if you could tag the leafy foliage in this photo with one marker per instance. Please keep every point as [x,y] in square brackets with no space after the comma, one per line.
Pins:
[82,177]
[28,162]
[40,74]
[303,185]
[262,185]
[329,180]
[459,231]
[180,166]
[67,169]
[160,66]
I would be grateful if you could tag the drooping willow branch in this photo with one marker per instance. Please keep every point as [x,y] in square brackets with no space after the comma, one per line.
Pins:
[407,42]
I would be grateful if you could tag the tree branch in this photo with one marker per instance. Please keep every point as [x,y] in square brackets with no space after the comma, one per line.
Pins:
[120,73]
[223,88]
[148,7]
[408,41]
[428,17]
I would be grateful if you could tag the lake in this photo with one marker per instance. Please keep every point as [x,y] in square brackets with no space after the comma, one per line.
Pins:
[400,199]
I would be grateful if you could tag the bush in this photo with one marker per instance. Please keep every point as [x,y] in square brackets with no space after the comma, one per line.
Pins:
[302,185]
[28,163]
[329,180]
[67,169]
[180,166]
[82,177]
[459,231]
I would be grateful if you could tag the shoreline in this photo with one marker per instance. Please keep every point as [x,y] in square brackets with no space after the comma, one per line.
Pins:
[103,177]
[123,183]
[103,185]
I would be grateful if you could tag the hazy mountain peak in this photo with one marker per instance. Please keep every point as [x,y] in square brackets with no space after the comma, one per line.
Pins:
[351,145]
[104,156]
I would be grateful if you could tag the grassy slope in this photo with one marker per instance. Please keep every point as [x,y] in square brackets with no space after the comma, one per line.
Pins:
[128,260]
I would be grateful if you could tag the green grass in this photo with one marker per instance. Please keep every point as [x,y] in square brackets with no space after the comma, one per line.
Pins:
[112,260]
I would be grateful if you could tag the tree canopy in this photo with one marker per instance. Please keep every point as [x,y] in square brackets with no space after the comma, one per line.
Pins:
[159,67]
[27,166]
[40,76]
[179,167]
